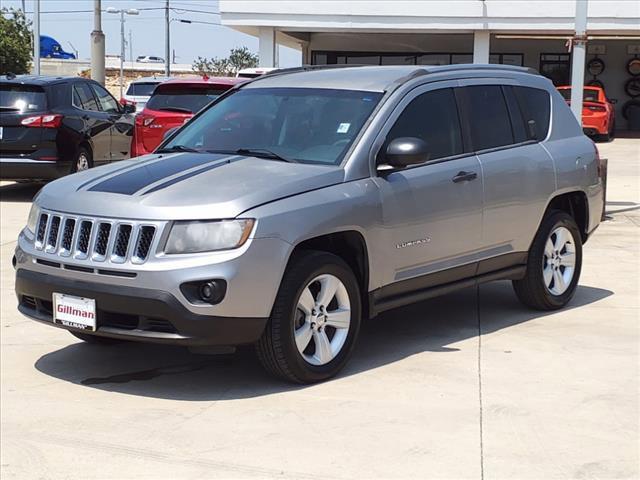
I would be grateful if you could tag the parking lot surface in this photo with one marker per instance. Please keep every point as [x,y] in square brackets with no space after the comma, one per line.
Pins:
[471,385]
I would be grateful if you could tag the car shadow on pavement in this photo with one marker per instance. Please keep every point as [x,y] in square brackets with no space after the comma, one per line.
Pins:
[19,192]
[175,373]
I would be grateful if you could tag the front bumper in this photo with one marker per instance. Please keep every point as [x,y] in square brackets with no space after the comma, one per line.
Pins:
[28,169]
[133,313]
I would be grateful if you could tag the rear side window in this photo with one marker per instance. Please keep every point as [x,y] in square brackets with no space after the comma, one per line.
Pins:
[535,105]
[141,88]
[83,97]
[182,99]
[433,117]
[487,116]
[107,102]
[22,98]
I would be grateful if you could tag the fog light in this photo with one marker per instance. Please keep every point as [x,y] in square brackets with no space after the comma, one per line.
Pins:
[205,291]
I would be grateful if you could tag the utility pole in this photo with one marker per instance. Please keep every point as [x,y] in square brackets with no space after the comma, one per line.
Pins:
[36,38]
[579,45]
[130,47]
[97,44]
[122,47]
[167,40]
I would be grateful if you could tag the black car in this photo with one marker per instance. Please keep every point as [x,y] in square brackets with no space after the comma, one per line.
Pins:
[53,126]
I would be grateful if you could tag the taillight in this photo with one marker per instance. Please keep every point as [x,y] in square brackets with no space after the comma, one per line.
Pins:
[598,161]
[124,101]
[43,121]
[143,120]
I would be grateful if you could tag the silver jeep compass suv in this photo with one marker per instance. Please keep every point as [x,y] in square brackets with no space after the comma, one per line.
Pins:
[304,201]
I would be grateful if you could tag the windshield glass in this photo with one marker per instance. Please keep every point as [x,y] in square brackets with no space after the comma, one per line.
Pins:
[304,124]
[142,89]
[22,98]
[183,99]
[589,95]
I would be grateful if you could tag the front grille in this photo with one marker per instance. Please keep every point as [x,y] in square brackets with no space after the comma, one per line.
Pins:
[95,240]
[102,239]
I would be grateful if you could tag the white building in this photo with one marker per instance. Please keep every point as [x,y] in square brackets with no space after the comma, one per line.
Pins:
[532,33]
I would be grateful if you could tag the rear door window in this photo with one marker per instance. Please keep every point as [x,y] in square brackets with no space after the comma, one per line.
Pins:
[85,98]
[517,120]
[433,117]
[535,105]
[105,100]
[487,116]
[22,98]
[182,99]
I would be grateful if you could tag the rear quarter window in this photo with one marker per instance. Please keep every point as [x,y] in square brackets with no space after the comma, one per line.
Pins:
[535,104]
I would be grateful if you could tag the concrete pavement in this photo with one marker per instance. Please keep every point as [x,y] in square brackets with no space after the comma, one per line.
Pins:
[470,385]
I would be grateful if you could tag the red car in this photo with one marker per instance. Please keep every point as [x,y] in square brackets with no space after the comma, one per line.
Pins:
[598,113]
[173,103]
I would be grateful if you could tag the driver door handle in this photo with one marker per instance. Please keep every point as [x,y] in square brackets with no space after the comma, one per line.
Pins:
[464,177]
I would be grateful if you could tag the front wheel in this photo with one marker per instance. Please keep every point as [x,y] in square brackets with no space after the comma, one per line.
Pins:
[554,264]
[315,320]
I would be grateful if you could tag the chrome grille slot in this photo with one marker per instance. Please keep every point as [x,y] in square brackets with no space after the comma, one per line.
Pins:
[42,230]
[121,243]
[102,241]
[84,237]
[52,237]
[143,243]
[67,236]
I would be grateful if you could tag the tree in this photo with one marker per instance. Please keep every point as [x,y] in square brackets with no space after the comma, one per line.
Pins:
[15,42]
[238,59]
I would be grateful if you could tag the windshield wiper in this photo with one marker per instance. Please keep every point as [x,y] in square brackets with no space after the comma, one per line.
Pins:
[175,109]
[178,148]
[264,153]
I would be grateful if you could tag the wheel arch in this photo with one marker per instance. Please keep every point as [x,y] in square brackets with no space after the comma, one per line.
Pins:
[574,203]
[351,247]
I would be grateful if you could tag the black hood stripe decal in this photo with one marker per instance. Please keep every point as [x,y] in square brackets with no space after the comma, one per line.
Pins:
[190,174]
[132,181]
[122,168]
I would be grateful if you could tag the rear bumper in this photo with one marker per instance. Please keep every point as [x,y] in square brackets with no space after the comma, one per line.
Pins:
[28,169]
[132,313]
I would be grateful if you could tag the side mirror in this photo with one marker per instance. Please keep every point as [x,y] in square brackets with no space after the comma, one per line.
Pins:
[403,152]
[532,130]
[168,133]
[128,108]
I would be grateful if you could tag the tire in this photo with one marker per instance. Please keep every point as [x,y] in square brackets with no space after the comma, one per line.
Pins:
[94,339]
[83,160]
[533,290]
[302,286]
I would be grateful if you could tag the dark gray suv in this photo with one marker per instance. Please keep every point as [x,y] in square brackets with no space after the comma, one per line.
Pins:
[302,202]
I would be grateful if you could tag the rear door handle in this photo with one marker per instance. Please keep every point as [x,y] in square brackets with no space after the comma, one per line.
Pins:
[464,177]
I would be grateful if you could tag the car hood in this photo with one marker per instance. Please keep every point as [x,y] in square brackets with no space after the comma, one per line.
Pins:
[187,186]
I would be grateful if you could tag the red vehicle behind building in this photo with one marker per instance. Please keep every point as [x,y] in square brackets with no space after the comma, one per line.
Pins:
[173,103]
[598,113]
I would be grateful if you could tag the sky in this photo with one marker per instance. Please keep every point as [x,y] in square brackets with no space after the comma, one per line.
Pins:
[147,29]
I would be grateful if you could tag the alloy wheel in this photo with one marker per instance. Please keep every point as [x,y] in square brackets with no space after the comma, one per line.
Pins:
[559,262]
[322,319]
[82,163]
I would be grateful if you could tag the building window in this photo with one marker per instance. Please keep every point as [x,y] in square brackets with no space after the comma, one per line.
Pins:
[556,67]
[408,58]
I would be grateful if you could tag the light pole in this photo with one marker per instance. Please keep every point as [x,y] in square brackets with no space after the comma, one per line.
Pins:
[167,41]
[36,37]
[122,12]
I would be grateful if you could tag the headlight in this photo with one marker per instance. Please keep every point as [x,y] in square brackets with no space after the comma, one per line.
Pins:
[33,218]
[208,236]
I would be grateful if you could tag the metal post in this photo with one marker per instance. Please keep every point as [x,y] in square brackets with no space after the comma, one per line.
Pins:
[121,52]
[36,38]
[579,55]
[167,40]
[97,44]
[130,48]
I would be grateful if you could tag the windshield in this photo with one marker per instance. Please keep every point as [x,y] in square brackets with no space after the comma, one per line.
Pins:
[183,99]
[141,89]
[589,95]
[302,124]
[22,98]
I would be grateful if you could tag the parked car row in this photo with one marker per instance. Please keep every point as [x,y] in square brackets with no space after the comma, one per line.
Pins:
[53,126]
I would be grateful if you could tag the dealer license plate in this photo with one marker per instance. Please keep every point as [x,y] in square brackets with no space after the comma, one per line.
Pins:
[75,312]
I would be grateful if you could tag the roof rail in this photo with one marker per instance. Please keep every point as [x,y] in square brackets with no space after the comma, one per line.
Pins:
[307,68]
[483,66]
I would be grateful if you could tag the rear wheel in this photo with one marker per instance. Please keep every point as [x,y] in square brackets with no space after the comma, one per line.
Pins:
[94,339]
[314,322]
[82,161]
[554,264]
